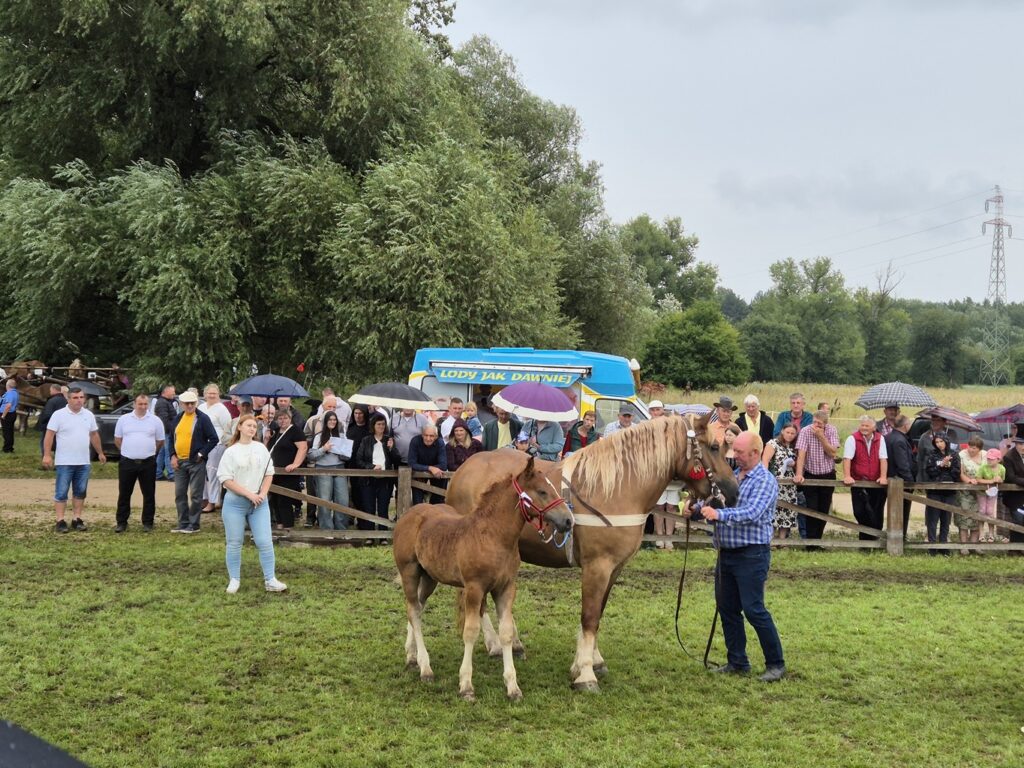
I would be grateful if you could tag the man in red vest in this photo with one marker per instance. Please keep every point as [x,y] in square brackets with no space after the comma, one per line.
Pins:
[865,458]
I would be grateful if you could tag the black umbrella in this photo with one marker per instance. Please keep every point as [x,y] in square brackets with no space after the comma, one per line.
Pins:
[20,748]
[392,394]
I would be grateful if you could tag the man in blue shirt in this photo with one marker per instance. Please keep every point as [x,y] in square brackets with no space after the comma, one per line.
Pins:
[743,537]
[9,413]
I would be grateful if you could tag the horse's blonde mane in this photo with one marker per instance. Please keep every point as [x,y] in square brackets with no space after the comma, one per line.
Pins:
[648,451]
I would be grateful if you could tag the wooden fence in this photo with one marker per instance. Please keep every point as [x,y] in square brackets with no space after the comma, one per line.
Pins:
[889,537]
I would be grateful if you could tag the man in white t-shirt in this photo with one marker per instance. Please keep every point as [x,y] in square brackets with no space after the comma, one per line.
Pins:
[75,426]
[139,436]
[221,418]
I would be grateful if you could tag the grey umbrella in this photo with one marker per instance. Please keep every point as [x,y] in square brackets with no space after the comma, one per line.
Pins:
[894,393]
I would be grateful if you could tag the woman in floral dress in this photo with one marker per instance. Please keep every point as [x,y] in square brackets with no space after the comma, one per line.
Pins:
[779,458]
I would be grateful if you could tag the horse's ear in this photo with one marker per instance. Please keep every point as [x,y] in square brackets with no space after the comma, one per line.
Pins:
[529,467]
[701,424]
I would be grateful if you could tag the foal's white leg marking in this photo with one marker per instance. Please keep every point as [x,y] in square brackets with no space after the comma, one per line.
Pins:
[410,645]
[470,632]
[507,631]
[426,673]
[599,663]
[491,640]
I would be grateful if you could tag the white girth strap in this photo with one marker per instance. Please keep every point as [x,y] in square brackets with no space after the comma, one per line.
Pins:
[617,521]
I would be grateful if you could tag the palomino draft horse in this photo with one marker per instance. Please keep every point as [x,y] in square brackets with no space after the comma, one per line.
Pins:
[610,485]
[435,543]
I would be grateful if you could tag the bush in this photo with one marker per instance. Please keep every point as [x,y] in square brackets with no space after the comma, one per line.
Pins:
[697,348]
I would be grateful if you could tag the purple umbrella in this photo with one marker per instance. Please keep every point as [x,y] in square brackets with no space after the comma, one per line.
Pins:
[1010,414]
[536,401]
[953,417]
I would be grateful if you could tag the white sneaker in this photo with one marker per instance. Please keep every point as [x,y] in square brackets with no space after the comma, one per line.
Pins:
[275,586]
[233,586]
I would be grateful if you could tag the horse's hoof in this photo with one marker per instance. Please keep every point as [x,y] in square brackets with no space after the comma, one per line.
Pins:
[411,664]
[495,654]
[516,695]
[600,670]
[427,678]
[467,695]
[590,686]
[519,653]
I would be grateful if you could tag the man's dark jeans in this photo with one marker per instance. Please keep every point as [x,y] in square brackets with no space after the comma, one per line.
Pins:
[7,423]
[739,590]
[189,480]
[937,520]
[144,472]
[819,498]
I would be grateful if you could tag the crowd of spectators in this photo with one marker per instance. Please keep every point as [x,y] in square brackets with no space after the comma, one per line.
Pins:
[185,440]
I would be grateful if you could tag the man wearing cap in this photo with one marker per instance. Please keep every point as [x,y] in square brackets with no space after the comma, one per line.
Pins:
[924,445]
[753,419]
[192,438]
[502,431]
[901,459]
[795,415]
[625,420]
[888,424]
[1007,442]
[721,419]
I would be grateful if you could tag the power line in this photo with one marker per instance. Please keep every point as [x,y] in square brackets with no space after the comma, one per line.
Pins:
[900,237]
[862,268]
[915,253]
[973,196]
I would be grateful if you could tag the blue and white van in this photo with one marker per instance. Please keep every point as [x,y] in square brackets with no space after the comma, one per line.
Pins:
[592,380]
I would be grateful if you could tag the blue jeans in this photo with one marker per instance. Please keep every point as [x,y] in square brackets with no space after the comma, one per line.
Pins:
[332,488]
[163,462]
[739,591]
[236,511]
[75,477]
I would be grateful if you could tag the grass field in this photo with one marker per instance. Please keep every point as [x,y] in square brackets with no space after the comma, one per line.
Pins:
[126,651]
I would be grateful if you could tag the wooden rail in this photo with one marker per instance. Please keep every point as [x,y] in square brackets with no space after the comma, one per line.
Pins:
[889,537]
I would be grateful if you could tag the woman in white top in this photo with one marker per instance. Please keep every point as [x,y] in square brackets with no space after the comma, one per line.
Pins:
[221,418]
[331,449]
[246,473]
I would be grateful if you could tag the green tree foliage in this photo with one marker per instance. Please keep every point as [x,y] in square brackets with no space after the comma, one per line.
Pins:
[667,258]
[112,83]
[812,296]
[696,347]
[774,347]
[936,347]
[484,270]
[733,307]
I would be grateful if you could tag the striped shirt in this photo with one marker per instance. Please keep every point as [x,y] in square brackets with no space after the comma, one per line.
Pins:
[816,461]
[750,521]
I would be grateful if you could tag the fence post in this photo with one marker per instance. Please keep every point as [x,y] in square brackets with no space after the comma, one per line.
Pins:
[403,497]
[894,516]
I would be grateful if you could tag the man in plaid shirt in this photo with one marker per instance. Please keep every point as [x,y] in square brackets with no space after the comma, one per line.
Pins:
[743,537]
[816,460]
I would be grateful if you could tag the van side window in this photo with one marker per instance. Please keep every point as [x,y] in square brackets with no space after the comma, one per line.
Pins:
[608,411]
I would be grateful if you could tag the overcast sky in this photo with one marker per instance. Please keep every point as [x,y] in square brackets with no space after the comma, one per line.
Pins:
[799,128]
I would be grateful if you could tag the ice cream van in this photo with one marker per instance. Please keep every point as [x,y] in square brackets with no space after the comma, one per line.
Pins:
[592,380]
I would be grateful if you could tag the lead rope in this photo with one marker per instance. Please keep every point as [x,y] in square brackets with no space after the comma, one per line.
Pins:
[679,602]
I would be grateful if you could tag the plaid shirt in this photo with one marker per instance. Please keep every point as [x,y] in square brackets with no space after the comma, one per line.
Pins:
[750,522]
[816,461]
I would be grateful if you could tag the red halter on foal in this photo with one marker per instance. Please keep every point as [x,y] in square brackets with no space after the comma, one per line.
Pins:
[526,504]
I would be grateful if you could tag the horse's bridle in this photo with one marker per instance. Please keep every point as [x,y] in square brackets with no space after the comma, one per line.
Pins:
[701,469]
[526,503]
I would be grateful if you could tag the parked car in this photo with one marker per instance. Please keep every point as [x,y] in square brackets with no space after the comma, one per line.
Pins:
[106,422]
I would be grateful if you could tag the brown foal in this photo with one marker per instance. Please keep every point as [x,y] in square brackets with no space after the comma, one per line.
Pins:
[479,552]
